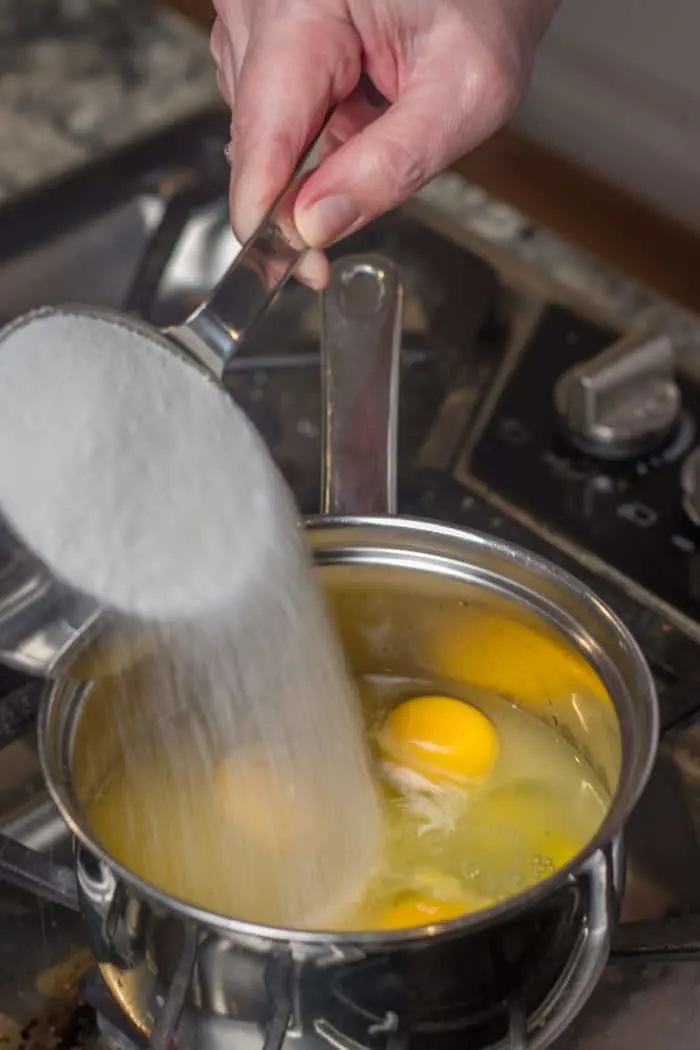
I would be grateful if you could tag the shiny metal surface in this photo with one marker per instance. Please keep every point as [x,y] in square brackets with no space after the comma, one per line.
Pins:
[362,324]
[625,400]
[416,577]
[228,944]
[37,824]
[238,993]
[121,913]
[41,620]
[214,332]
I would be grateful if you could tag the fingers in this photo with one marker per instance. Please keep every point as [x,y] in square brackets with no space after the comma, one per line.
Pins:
[313,268]
[218,40]
[283,96]
[362,108]
[438,118]
[457,76]
[226,66]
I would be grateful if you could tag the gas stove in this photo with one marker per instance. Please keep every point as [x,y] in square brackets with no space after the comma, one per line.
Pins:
[531,407]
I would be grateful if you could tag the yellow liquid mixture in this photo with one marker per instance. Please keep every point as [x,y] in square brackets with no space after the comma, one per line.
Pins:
[481,800]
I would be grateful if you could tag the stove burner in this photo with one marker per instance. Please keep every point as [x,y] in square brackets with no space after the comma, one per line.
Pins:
[628,513]
[624,402]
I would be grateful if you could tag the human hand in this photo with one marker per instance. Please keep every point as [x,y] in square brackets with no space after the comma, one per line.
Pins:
[450,71]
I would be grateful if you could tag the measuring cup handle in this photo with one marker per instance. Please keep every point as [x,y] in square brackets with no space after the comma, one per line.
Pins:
[216,330]
[360,350]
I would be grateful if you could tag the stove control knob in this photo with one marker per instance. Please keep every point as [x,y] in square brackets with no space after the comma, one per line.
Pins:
[690,486]
[625,401]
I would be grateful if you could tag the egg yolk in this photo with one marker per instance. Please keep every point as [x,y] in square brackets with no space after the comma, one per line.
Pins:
[269,809]
[421,911]
[507,657]
[440,738]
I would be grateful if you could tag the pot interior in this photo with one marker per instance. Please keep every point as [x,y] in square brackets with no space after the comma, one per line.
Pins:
[419,601]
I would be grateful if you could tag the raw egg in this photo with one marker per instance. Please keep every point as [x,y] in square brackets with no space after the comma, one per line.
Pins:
[440,738]
[421,911]
[509,658]
[270,809]
[531,811]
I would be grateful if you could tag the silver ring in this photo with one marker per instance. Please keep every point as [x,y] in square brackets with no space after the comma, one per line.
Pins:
[228,154]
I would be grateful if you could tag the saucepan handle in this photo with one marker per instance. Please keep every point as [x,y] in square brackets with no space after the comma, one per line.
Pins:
[597,880]
[360,349]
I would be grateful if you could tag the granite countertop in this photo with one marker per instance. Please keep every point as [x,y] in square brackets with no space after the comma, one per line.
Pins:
[79,77]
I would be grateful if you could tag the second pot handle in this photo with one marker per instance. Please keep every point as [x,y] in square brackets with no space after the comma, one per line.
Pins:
[597,879]
[360,349]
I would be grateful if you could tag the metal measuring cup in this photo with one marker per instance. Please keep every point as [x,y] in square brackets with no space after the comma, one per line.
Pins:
[47,626]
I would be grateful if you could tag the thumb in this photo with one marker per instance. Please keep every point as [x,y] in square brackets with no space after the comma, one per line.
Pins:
[292,73]
[424,131]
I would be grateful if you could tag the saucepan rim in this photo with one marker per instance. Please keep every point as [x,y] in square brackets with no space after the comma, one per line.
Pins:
[637,757]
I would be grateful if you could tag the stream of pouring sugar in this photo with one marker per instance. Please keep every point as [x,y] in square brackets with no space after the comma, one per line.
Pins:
[158,497]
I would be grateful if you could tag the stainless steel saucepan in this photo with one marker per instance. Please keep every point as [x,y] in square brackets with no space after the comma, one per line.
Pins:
[407,595]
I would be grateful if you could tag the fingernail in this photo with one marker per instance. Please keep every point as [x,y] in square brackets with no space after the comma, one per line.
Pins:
[313,270]
[326,220]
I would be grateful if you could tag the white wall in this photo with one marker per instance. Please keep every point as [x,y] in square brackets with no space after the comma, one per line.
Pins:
[617,87]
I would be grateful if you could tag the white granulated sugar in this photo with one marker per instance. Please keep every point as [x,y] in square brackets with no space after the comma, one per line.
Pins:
[138,481]
[130,474]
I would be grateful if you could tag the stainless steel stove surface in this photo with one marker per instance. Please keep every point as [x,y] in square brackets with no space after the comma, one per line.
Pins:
[597,482]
